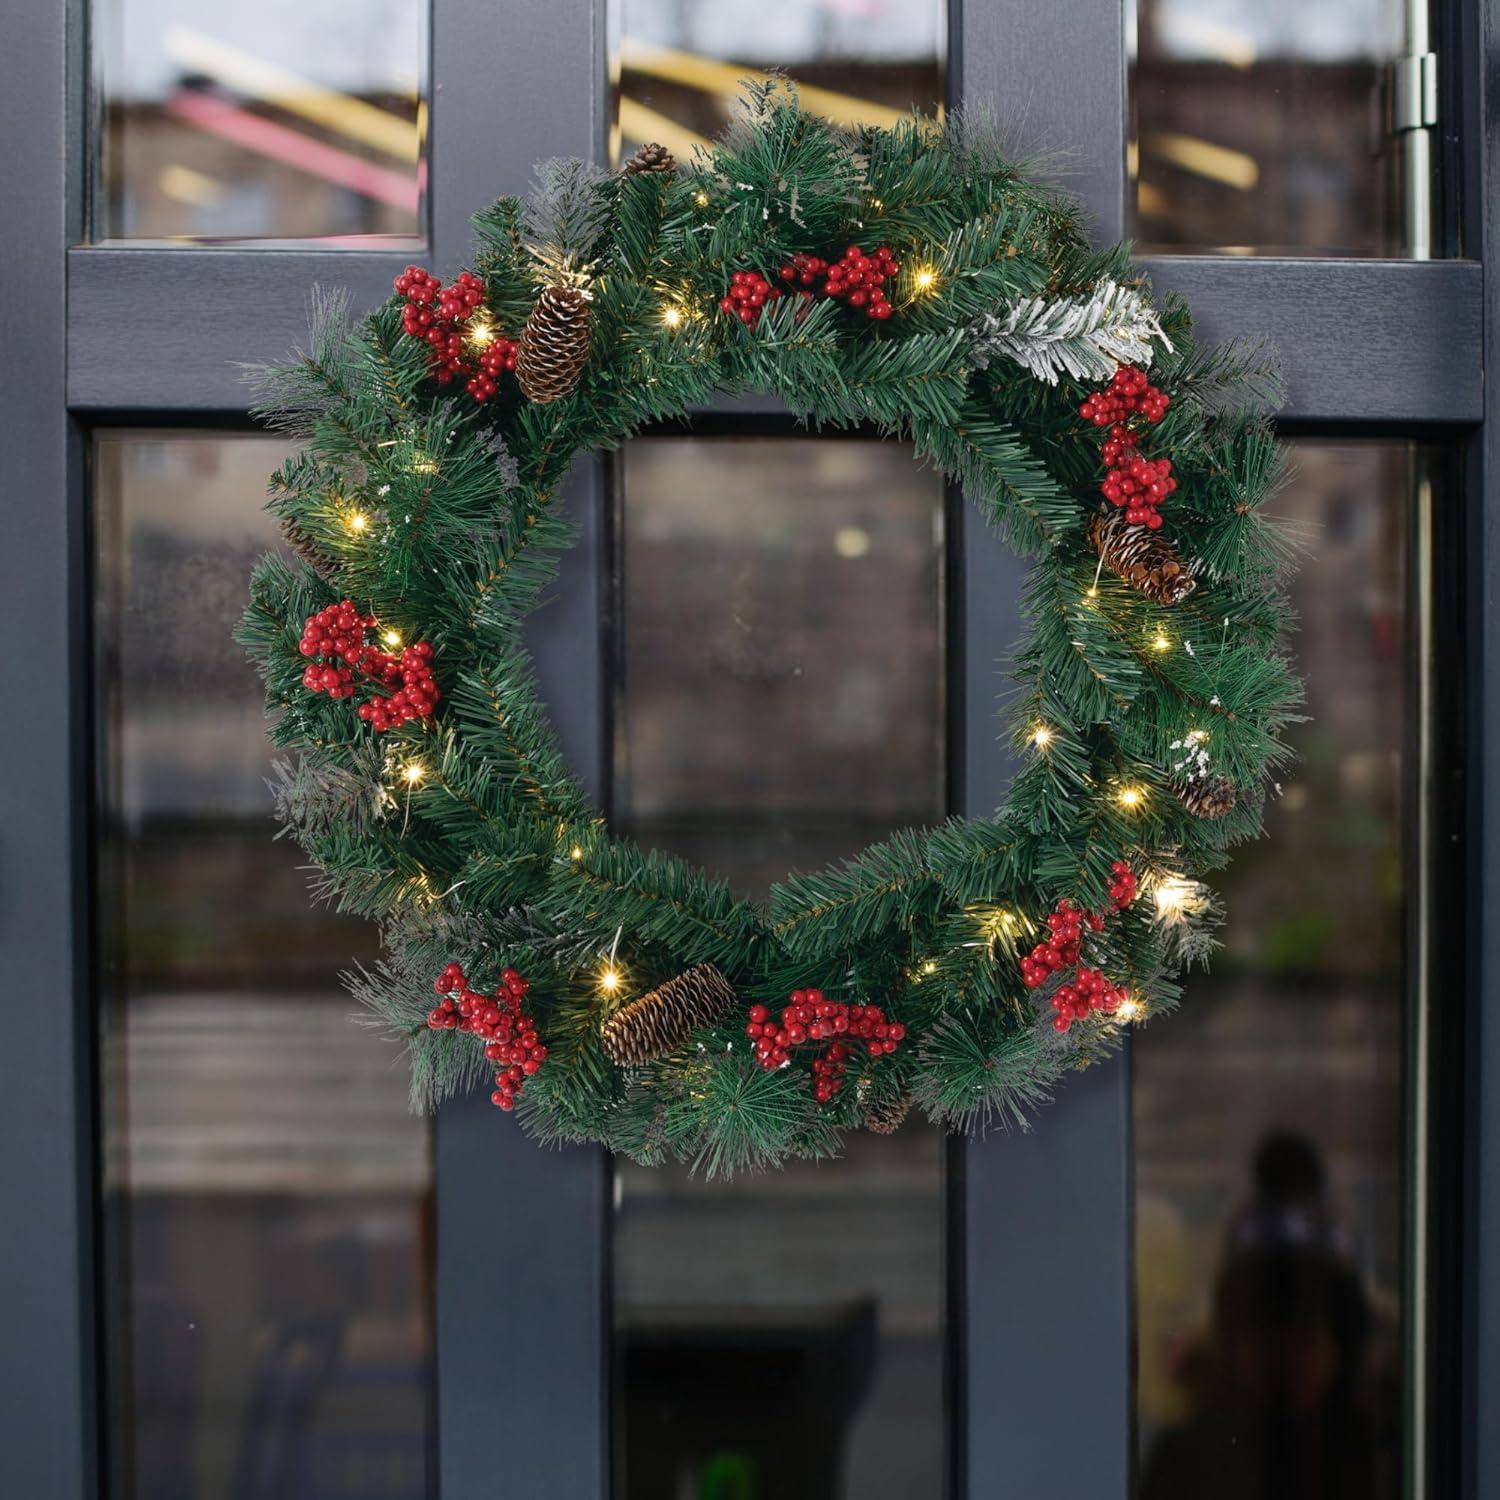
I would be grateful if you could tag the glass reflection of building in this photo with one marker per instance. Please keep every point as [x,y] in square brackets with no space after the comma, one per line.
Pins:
[266,1192]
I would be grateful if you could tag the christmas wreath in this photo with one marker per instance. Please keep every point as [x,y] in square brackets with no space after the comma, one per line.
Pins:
[912,280]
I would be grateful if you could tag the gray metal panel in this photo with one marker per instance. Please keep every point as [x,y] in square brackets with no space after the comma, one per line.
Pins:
[1361,340]
[1032,1202]
[516,84]
[47,1432]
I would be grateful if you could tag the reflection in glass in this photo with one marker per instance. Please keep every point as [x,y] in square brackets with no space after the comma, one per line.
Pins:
[1261,125]
[266,1193]
[780,660]
[283,120]
[676,70]
[1269,1131]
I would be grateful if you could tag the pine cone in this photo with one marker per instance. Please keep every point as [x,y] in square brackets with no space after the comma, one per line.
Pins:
[301,542]
[1145,559]
[650,158]
[663,1019]
[554,344]
[885,1116]
[1208,796]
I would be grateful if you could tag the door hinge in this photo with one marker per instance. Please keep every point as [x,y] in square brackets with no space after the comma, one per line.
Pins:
[1414,92]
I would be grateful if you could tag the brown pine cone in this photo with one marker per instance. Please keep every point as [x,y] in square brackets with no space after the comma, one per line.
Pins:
[554,345]
[1145,559]
[886,1116]
[301,542]
[1208,796]
[650,158]
[663,1019]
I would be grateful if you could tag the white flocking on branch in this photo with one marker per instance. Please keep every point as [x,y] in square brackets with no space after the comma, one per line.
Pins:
[1087,336]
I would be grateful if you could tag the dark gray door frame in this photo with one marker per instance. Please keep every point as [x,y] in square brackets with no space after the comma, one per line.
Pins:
[86,348]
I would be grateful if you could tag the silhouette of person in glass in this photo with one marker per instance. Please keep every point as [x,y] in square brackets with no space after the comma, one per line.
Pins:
[1278,1399]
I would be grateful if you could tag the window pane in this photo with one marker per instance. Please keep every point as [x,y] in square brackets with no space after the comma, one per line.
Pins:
[266,1193]
[1269,1114]
[283,120]
[676,70]
[1261,126]
[780,704]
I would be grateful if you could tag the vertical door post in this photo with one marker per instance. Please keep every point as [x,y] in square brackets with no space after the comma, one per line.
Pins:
[47,1417]
[1037,1342]
[513,85]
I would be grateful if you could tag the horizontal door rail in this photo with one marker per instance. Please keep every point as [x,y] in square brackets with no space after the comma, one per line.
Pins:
[1386,341]
[1361,341]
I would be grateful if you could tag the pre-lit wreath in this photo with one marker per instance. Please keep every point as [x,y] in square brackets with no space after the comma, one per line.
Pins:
[911,279]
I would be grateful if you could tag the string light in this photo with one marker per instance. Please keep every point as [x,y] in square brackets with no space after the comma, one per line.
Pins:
[1092,592]
[1129,1009]
[1041,737]
[1159,642]
[1130,797]
[672,316]
[356,521]
[1178,899]
[924,280]
[998,924]
[930,967]
[413,772]
[481,334]
[1174,897]
[576,852]
[701,199]
[392,638]
[610,978]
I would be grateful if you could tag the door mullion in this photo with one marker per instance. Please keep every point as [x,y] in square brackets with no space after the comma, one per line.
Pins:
[522,1233]
[1041,1343]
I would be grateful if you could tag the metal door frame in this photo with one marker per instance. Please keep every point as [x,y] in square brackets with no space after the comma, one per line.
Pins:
[89,345]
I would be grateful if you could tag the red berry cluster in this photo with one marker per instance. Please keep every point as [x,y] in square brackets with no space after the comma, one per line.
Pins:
[410,675]
[440,316]
[1128,394]
[421,290]
[749,292]
[510,1038]
[1139,484]
[337,634]
[1122,887]
[334,639]
[1059,951]
[811,1017]
[1089,990]
[856,278]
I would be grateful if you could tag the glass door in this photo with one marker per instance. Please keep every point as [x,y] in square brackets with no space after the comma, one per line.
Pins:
[250,1271]
[1251,1305]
